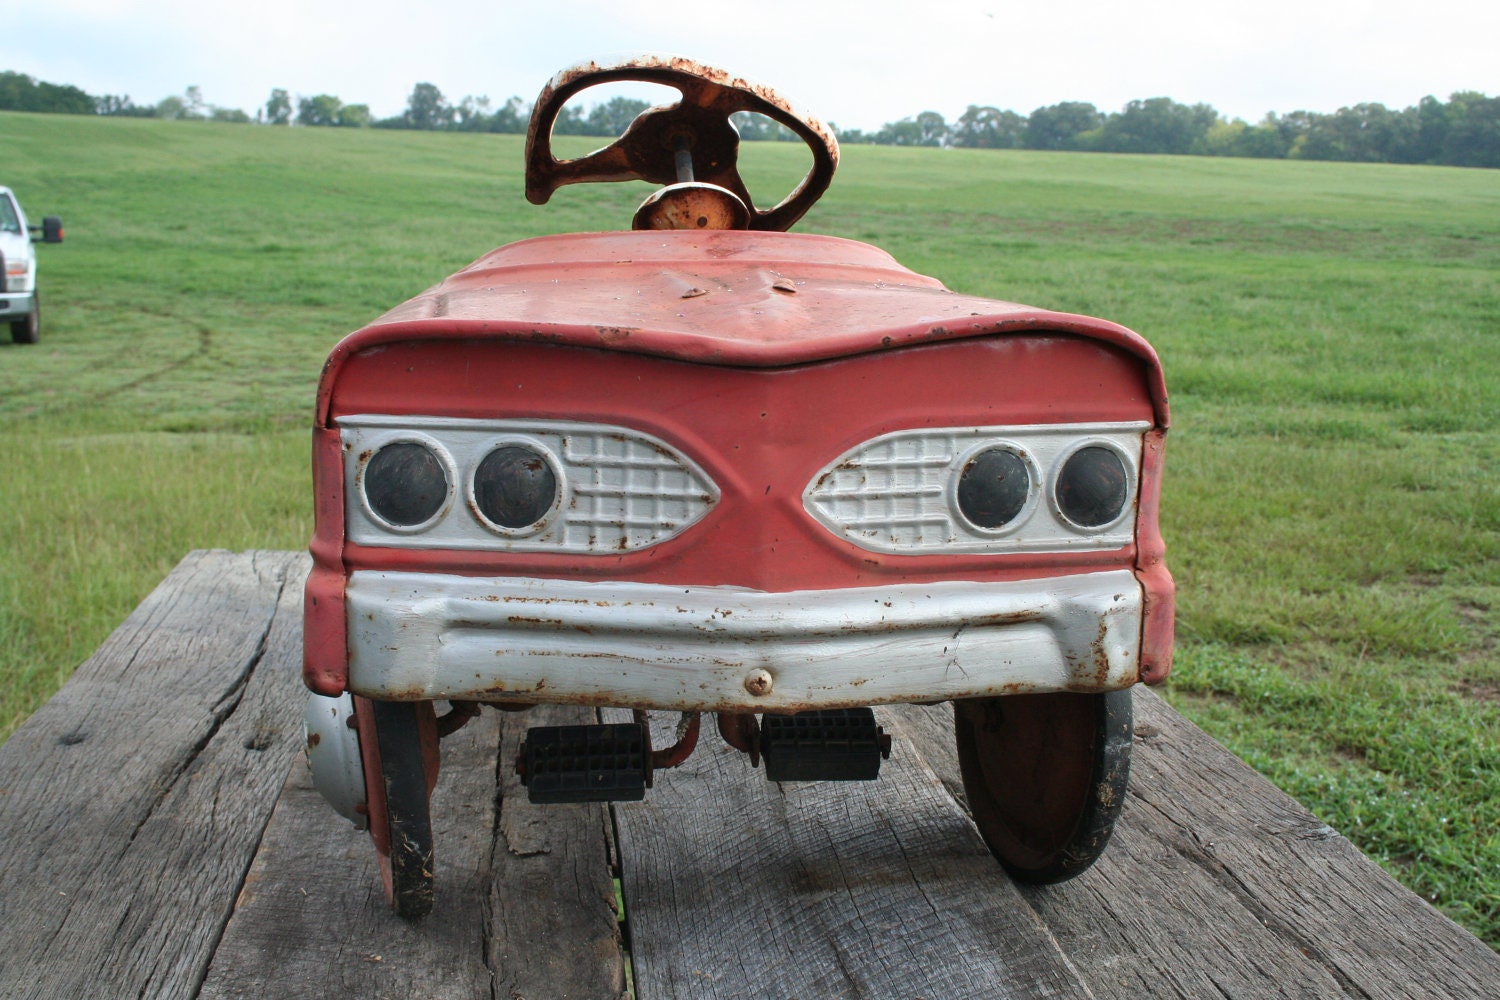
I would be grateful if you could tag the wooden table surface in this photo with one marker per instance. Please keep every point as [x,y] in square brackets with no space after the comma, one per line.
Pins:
[159,837]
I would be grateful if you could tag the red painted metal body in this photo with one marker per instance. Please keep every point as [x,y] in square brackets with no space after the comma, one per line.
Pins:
[760,356]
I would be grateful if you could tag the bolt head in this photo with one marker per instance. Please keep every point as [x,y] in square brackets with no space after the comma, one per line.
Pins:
[758,682]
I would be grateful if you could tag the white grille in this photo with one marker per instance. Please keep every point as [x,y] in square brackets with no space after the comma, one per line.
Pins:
[897,493]
[891,492]
[627,491]
[621,489]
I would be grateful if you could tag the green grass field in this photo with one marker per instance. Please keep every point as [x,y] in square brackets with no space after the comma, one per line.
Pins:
[1331,336]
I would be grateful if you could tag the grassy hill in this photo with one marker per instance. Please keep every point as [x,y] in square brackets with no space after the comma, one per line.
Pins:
[1329,334]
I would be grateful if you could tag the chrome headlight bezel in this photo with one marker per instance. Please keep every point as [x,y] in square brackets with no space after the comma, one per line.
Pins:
[445,461]
[1034,477]
[471,493]
[1127,460]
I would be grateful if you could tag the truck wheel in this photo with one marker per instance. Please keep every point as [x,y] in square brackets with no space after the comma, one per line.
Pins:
[1045,775]
[398,798]
[28,330]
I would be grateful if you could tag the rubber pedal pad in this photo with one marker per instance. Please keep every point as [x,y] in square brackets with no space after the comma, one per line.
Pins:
[602,763]
[842,744]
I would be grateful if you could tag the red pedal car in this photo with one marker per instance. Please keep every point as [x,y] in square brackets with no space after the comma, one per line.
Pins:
[710,466]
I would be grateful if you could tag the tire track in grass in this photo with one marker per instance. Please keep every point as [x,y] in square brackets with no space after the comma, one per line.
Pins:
[205,344]
[79,401]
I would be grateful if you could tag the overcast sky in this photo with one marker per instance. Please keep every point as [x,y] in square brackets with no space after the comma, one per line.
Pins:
[856,64]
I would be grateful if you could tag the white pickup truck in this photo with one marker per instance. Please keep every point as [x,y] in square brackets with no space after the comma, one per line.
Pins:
[19,304]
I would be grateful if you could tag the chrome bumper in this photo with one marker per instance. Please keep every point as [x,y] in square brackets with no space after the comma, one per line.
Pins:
[423,635]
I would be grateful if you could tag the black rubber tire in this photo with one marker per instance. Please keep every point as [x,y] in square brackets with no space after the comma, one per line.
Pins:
[408,818]
[1045,776]
[29,329]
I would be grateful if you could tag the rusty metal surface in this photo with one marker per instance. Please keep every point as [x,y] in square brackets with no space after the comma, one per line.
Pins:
[832,401]
[648,149]
[898,493]
[333,756]
[608,478]
[692,206]
[784,332]
[719,298]
[459,714]
[422,636]
[1158,633]
[760,433]
[687,740]
[741,730]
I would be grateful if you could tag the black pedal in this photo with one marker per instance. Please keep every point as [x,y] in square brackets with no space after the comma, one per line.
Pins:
[841,744]
[606,763]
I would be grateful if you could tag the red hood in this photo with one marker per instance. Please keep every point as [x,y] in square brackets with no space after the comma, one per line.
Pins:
[742,299]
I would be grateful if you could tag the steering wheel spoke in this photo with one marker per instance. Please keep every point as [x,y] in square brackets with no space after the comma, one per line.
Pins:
[607,164]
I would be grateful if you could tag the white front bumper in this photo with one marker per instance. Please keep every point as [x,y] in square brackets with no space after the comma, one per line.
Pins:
[424,635]
[14,305]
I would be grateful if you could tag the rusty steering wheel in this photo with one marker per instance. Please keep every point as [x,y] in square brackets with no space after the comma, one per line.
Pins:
[698,126]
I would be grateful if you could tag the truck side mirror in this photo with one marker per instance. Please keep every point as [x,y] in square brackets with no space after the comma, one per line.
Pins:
[52,229]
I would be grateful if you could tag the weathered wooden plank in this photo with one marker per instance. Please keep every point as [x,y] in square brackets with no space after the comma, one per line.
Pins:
[1219,884]
[738,887]
[553,930]
[312,920]
[131,803]
[525,897]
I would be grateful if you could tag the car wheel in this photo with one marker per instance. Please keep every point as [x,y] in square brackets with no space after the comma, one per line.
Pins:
[1045,776]
[28,330]
[397,792]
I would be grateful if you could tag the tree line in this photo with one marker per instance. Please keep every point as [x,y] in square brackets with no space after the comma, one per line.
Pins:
[1461,131]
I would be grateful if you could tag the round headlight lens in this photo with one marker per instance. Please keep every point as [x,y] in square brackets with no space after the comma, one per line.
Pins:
[405,484]
[993,488]
[514,487]
[1093,487]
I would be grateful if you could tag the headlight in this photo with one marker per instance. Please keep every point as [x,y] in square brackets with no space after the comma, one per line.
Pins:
[1092,486]
[981,489]
[994,487]
[515,487]
[404,484]
[15,274]
[521,485]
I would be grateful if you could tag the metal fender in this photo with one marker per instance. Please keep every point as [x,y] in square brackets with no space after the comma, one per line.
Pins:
[333,755]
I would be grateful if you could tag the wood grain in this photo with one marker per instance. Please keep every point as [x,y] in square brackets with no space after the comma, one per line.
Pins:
[312,921]
[534,921]
[140,857]
[131,804]
[554,931]
[1217,884]
[739,887]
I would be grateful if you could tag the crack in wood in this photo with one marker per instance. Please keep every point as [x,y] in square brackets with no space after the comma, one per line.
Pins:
[219,714]
[487,870]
